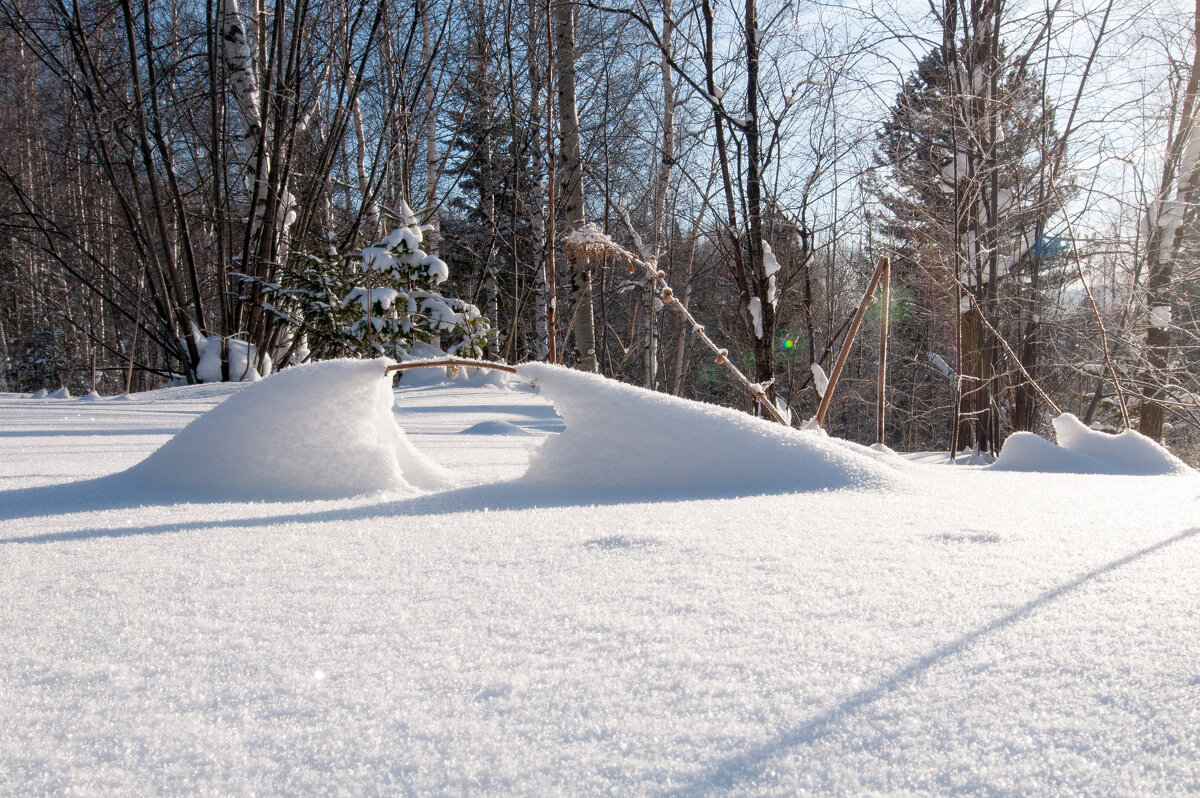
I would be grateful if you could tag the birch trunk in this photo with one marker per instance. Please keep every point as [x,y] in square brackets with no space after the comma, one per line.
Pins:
[661,187]
[1181,171]
[432,154]
[571,166]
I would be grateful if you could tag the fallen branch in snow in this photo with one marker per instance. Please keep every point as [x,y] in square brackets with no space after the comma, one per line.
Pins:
[452,362]
[595,241]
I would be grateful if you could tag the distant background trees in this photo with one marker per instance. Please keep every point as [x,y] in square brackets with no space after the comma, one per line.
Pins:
[173,173]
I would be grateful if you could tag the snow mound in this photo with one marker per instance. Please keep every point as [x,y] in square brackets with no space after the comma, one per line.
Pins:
[61,393]
[621,438]
[498,427]
[1082,450]
[318,431]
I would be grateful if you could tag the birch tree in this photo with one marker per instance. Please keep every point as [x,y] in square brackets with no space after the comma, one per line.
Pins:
[570,167]
[1172,232]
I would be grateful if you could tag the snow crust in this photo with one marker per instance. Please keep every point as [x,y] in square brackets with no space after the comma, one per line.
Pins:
[321,430]
[622,438]
[1082,450]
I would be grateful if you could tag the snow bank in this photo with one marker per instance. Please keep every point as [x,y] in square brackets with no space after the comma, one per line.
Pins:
[1082,450]
[322,430]
[621,438]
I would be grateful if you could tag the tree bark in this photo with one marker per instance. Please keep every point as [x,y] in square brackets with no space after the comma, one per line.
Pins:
[1182,170]
[571,167]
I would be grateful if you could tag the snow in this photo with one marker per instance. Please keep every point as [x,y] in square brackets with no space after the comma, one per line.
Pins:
[1160,316]
[941,365]
[499,427]
[755,308]
[242,356]
[940,630]
[1082,450]
[820,379]
[373,301]
[770,267]
[323,430]
[628,441]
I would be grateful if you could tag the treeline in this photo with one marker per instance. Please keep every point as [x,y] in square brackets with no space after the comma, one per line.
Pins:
[183,180]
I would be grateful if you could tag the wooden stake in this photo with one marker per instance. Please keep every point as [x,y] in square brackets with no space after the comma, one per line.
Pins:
[881,385]
[884,265]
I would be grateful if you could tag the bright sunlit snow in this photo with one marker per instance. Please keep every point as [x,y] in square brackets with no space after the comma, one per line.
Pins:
[844,621]
[320,431]
[621,440]
[1081,450]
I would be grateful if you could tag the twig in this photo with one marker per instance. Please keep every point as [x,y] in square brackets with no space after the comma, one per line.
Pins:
[452,362]
[597,240]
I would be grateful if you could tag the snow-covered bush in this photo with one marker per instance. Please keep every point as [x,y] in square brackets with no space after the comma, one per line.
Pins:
[382,299]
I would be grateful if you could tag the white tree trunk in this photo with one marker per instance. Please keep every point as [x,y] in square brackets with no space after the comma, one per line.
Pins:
[571,165]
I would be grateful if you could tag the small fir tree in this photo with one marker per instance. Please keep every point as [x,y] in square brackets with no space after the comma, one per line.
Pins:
[383,299]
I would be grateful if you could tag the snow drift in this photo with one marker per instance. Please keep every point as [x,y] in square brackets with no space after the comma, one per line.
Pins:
[621,438]
[1082,450]
[318,431]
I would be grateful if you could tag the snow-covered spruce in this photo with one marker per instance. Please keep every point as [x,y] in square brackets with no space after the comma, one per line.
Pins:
[382,299]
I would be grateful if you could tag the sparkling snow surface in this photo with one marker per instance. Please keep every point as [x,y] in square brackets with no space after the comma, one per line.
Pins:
[953,630]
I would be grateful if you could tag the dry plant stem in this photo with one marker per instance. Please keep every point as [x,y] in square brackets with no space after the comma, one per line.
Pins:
[667,294]
[452,362]
[884,265]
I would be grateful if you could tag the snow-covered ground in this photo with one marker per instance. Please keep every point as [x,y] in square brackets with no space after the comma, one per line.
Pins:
[893,626]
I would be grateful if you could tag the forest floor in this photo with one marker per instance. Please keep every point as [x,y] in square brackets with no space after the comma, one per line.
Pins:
[949,630]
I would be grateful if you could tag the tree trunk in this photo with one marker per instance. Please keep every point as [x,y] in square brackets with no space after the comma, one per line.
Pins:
[1181,169]
[571,167]
[662,186]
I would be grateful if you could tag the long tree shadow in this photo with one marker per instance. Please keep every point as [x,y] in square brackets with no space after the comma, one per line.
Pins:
[751,764]
[118,491]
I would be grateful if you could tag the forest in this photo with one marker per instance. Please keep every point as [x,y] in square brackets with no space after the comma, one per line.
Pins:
[982,214]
